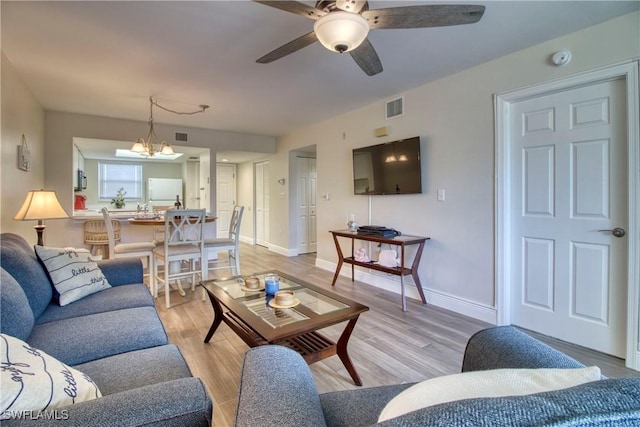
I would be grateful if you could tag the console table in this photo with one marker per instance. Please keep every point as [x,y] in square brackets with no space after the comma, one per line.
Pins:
[402,241]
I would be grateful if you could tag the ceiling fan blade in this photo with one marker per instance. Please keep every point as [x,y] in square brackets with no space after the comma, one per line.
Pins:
[295,7]
[354,6]
[288,48]
[423,16]
[367,58]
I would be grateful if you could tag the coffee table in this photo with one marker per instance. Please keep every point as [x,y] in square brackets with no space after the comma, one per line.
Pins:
[249,314]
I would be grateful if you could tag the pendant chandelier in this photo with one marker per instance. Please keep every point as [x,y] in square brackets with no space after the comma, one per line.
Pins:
[149,147]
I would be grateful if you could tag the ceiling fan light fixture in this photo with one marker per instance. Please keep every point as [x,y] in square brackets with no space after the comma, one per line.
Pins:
[341,31]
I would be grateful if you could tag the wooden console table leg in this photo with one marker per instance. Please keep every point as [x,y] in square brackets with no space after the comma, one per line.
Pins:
[342,351]
[217,317]
[402,285]
[353,241]
[414,272]
[402,293]
[340,260]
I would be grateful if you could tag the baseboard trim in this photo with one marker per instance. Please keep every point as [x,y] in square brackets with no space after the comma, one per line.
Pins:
[438,299]
[247,239]
[283,251]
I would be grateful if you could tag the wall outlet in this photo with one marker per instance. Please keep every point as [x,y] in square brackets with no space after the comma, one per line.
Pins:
[441,194]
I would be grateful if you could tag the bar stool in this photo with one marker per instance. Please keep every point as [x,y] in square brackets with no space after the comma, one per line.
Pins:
[95,236]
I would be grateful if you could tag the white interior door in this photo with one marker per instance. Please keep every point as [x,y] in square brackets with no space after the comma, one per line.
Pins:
[569,182]
[225,196]
[205,181]
[306,187]
[192,186]
[262,203]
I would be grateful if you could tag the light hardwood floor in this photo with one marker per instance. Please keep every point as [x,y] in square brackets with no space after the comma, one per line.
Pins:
[388,346]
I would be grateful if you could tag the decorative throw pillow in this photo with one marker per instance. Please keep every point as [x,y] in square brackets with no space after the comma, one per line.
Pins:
[73,272]
[490,383]
[34,381]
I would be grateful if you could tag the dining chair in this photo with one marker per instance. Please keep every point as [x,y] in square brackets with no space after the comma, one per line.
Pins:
[158,232]
[182,250]
[229,244]
[129,250]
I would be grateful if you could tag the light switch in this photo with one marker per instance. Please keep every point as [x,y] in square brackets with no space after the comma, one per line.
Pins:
[441,194]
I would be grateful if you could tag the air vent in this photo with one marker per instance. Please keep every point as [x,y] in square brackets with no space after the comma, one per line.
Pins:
[181,137]
[395,108]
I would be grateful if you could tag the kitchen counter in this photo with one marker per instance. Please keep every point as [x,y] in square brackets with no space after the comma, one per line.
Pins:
[119,214]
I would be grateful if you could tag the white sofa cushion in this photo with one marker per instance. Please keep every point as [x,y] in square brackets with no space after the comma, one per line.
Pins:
[490,383]
[32,381]
[73,272]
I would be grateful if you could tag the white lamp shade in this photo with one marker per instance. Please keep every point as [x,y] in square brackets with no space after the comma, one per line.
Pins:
[138,147]
[341,31]
[167,150]
[41,204]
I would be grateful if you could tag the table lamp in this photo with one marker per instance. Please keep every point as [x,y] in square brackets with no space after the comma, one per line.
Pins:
[40,205]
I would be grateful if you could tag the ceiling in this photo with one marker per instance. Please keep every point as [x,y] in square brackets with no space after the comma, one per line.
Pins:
[107,58]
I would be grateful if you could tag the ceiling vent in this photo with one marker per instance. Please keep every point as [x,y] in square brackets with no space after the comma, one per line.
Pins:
[395,108]
[182,137]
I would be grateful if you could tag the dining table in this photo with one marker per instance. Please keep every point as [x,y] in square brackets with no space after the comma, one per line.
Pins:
[149,219]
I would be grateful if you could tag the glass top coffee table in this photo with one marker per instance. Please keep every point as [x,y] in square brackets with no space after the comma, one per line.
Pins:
[249,314]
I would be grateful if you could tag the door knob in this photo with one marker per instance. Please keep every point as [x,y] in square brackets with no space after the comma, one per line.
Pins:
[617,232]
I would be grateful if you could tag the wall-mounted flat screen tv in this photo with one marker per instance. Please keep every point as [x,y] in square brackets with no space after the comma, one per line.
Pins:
[389,168]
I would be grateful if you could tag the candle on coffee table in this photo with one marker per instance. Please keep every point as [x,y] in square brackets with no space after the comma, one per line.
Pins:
[272,284]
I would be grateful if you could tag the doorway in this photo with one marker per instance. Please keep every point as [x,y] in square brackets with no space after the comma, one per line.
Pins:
[225,196]
[565,158]
[306,175]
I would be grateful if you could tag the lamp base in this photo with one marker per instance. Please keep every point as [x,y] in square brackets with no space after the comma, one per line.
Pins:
[40,230]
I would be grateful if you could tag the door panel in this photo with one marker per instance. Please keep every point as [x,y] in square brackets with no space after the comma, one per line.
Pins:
[538,282]
[569,181]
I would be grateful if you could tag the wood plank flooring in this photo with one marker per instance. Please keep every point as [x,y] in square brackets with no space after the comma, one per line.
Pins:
[388,346]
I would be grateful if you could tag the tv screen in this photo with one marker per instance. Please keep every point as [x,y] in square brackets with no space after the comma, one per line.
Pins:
[389,168]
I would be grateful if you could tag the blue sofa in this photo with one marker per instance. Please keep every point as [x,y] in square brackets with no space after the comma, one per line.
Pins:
[114,336]
[287,396]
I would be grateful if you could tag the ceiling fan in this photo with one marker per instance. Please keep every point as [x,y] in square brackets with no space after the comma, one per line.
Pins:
[343,25]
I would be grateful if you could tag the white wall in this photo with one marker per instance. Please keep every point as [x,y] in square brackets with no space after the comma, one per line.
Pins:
[454,118]
[21,114]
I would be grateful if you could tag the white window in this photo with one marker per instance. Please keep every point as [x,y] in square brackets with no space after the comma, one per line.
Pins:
[114,176]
